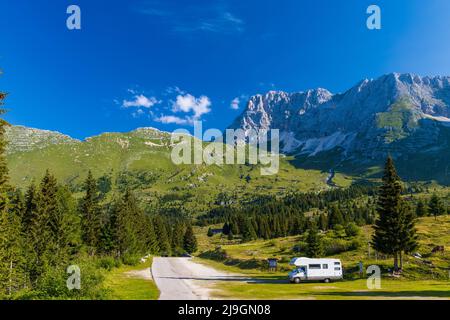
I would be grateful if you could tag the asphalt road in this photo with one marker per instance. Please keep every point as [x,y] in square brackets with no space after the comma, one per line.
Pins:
[183,279]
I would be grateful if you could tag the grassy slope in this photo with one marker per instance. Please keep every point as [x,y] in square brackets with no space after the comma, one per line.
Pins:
[124,286]
[195,186]
[419,279]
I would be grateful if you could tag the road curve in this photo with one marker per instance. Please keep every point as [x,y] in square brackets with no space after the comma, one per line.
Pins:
[183,279]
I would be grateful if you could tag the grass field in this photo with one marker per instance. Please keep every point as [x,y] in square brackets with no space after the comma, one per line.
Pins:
[279,289]
[420,280]
[125,283]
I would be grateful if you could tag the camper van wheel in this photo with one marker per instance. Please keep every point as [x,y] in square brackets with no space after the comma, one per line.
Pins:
[297,280]
[326,280]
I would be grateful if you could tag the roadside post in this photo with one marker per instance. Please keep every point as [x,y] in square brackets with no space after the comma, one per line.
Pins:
[273,265]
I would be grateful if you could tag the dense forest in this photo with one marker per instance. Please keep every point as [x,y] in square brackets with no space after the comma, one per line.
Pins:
[267,217]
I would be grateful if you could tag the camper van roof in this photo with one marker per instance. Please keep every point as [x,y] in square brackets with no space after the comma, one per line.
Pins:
[304,260]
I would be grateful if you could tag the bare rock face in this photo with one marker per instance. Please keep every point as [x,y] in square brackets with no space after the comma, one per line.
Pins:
[396,114]
[22,139]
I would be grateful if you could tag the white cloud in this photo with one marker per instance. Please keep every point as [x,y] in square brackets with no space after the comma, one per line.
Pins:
[172,119]
[188,103]
[214,17]
[138,113]
[235,103]
[140,101]
[174,90]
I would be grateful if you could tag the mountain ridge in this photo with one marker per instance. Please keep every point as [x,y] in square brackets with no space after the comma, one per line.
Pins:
[316,120]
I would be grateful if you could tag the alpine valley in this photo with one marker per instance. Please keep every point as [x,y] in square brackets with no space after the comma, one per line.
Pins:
[327,140]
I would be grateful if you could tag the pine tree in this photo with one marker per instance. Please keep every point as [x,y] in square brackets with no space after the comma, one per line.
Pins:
[388,226]
[126,225]
[323,222]
[408,234]
[17,203]
[435,206]
[314,242]
[226,228]
[11,241]
[162,236]
[248,232]
[177,238]
[421,209]
[152,241]
[12,261]
[30,208]
[90,212]
[335,217]
[65,228]
[39,237]
[190,241]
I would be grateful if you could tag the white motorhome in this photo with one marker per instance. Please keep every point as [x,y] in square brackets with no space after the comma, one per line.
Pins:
[307,269]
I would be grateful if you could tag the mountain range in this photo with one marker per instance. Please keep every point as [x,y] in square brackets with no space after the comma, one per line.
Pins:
[349,134]
[404,115]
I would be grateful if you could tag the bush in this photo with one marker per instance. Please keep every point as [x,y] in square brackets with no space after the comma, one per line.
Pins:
[336,246]
[217,255]
[108,263]
[131,259]
[351,230]
[53,285]
[339,231]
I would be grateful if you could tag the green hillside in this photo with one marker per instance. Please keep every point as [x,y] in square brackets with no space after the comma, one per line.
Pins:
[140,160]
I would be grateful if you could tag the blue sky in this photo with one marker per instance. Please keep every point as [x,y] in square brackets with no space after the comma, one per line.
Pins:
[165,63]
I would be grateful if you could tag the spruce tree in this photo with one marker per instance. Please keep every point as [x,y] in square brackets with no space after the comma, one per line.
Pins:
[17,203]
[323,222]
[65,228]
[90,212]
[248,231]
[162,236]
[226,228]
[152,241]
[39,237]
[335,217]
[190,241]
[314,242]
[11,241]
[388,225]
[435,206]
[12,260]
[127,235]
[408,234]
[177,238]
[30,212]
[421,209]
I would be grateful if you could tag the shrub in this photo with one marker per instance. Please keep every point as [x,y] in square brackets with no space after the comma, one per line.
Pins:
[131,259]
[108,263]
[217,255]
[351,230]
[339,231]
[53,285]
[336,246]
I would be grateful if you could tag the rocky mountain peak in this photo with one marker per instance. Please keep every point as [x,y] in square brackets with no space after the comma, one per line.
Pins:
[369,117]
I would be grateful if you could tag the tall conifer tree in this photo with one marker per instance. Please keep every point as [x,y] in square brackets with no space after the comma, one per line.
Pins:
[90,213]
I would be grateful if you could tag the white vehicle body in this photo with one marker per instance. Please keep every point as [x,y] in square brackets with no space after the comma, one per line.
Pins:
[307,269]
